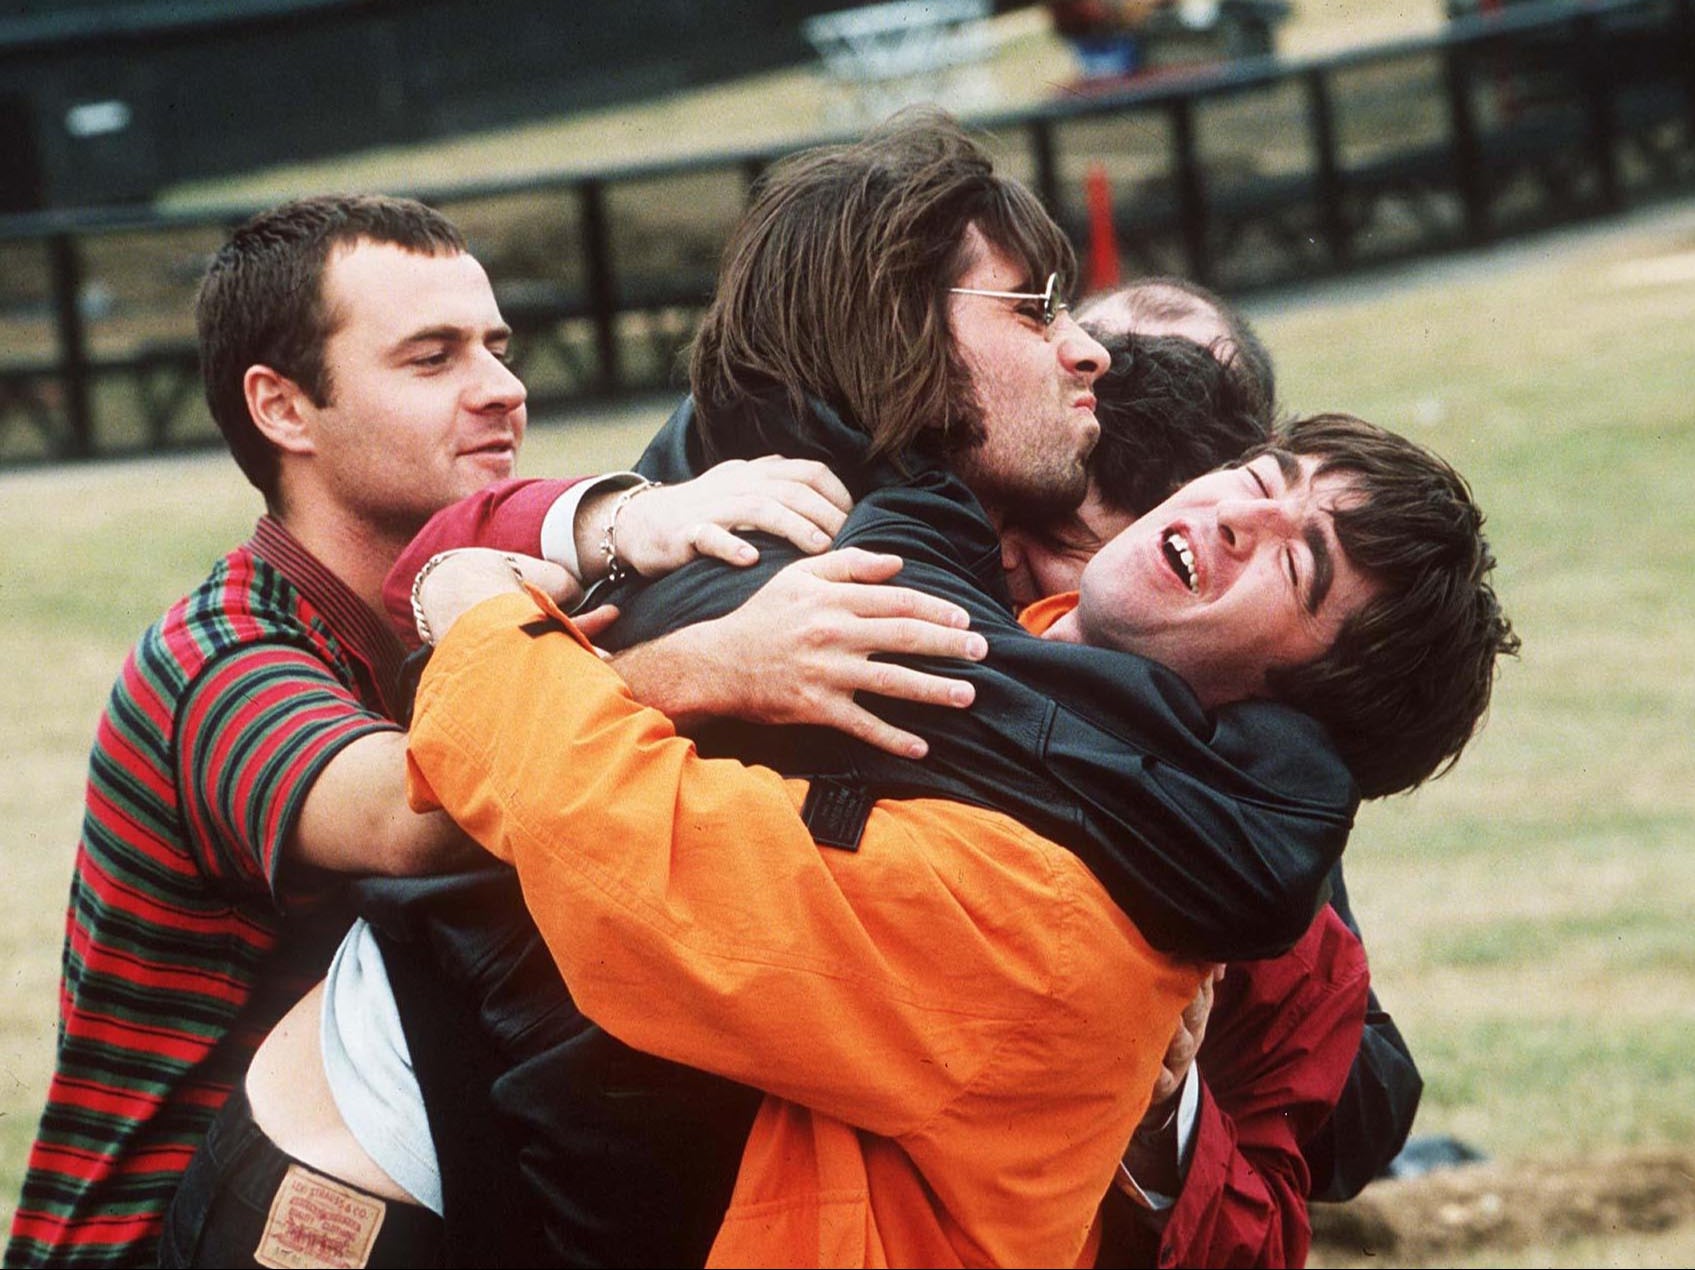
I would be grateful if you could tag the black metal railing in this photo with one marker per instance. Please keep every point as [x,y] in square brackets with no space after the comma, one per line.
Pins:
[1256,172]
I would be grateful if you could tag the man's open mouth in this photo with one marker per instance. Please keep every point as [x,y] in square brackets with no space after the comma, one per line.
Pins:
[1180,558]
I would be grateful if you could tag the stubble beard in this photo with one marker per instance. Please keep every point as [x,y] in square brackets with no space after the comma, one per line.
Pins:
[1042,491]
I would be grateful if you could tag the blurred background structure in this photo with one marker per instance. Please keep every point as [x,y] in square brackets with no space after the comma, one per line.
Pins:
[126,124]
[114,101]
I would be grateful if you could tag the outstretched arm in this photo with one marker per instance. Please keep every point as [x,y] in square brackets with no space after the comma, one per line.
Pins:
[650,529]
[800,651]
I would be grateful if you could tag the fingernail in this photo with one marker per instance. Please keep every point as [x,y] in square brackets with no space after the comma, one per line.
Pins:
[976,647]
[746,554]
[917,749]
[962,694]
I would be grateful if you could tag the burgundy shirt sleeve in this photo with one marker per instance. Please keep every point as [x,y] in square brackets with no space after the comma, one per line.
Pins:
[506,516]
[1278,1048]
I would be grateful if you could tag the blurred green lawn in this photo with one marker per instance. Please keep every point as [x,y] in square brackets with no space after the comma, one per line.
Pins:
[1527,916]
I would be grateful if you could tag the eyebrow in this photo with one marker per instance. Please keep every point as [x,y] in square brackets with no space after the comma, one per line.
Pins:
[448,333]
[1323,561]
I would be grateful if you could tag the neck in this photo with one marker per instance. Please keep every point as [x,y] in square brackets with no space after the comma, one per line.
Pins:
[1067,630]
[357,551]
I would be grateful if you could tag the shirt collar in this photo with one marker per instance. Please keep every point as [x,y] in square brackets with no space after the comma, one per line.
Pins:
[363,634]
[1038,617]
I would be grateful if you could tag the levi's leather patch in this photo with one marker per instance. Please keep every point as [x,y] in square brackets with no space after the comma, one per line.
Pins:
[317,1221]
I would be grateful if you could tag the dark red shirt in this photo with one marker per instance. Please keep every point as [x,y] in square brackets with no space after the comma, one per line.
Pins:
[1281,1038]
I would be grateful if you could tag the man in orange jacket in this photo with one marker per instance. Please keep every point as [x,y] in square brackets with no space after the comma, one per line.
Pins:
[955,1025]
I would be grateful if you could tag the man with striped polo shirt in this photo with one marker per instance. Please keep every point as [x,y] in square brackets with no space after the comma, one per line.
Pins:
[355,360]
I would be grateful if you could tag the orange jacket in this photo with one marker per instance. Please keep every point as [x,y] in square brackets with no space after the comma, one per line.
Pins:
[957,1028]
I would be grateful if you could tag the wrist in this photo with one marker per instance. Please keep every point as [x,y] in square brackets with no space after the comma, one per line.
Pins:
[420,620]
[450,582]
[570,529]
[613,561]
[1160,1122]
[679,675]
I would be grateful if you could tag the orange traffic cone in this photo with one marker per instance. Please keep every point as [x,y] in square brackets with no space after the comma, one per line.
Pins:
[1103,240]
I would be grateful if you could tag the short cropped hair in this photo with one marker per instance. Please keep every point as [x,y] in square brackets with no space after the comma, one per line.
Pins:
[834,285]
[1408,679]
[261,303]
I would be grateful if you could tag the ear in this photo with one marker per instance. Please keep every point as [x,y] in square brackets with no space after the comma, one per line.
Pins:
[1012,552]
[280,409]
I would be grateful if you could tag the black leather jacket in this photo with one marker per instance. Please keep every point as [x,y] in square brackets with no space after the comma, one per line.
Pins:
[1213,832]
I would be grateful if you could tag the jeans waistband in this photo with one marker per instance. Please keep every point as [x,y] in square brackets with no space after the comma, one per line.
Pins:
[251,1167]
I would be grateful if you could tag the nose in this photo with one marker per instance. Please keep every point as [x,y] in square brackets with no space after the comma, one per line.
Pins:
[1079,352]
[1244,523]
[495,389]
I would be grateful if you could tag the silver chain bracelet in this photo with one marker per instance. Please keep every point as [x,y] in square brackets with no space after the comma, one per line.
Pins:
[425,634]
[616,569]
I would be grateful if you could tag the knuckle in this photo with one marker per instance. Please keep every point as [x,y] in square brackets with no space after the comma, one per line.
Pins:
[882,678]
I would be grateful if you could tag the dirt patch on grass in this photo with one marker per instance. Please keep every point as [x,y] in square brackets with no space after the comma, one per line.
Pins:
[1434,1219]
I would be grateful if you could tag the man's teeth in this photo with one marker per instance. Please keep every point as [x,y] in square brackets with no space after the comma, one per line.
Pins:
[1181,557]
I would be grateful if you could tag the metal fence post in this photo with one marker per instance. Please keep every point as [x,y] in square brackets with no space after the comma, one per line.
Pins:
[1044,166]
[78,441]
[753,171]
[1469,175]
[602,285]
[1685,41]
[1191,189]
[1597,81]
[1332,214]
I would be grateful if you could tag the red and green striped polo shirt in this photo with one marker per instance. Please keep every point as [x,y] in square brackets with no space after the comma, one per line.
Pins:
[186,936]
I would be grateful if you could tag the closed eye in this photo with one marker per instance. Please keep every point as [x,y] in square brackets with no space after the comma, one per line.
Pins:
[1264,489]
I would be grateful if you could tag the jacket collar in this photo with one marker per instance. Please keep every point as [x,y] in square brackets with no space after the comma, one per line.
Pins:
[364,636]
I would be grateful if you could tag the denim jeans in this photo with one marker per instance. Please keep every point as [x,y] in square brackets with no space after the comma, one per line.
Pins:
[224,1203]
